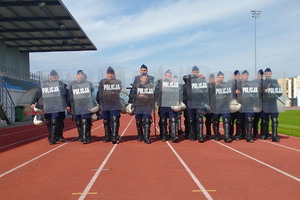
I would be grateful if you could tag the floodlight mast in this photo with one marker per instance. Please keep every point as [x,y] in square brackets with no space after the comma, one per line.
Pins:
[255,15]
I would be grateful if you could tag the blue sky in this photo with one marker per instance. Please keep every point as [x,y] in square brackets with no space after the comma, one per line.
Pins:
[214,33]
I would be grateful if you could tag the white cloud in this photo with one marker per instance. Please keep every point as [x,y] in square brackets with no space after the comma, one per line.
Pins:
[217,33]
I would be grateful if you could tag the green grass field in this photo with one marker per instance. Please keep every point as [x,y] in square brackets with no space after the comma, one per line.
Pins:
[289,123]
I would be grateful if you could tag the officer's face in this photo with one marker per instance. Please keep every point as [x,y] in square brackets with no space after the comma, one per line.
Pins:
[53,78]
[220,78]
[143,79]
[268,75]
[168,75]
[80,77]
[143,70]
[245,77]
[211,80]
[195,73]
[110,76]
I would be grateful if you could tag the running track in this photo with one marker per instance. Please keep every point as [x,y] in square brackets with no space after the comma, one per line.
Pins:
[31,169]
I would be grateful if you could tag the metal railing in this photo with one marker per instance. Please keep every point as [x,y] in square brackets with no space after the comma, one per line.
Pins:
[7,106]
[13,72]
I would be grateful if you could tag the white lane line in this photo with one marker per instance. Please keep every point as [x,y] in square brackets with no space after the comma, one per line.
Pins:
[22,165]
[100,169]
[265,164]
[274,143]
[193,176]
[22,141]
[280,145]
[201,187]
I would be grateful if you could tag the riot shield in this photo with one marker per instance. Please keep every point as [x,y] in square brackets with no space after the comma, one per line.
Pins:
[110,88]
[274,99]
[197,87]
[250,90]
[170,86]
[142,93]
[81,93]
[53,91]
[222,93]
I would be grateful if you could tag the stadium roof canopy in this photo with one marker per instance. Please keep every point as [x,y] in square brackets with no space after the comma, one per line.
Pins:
[41,26]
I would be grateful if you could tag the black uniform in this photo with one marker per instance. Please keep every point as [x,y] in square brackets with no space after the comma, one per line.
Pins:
[142,98]
[109,99]
[54,120]
[81,102]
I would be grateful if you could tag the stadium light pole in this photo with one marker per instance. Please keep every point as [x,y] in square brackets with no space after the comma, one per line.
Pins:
[255,15]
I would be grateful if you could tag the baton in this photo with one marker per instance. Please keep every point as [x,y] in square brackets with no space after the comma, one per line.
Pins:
[154,119]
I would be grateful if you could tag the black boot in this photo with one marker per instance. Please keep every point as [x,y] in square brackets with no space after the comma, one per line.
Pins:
[226,126]
[172,129]
[275,137]
[208,127]
[239,130]
[115,129]
[231,132]
[268,136]
[61,125]
[255,126]
[248,128]
[139,127]
[186,125]
[107,130]
[53,131]
[263,129]
[199,128]
[86,127]
[163,129]
[216,130]
[147,125]
[192,135]
[79,129]
[48,123]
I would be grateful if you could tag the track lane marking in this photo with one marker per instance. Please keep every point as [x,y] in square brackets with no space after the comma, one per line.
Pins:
[206,190]
[274,143]
[263,163]
[44,134]
[101,167]
[79,193]
[193,176]
[280,145]
[201,187]
[22,165]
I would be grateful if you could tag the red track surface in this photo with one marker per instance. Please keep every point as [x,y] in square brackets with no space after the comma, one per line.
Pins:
[32,169]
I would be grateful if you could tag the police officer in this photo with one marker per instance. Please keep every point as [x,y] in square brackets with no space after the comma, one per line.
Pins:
[208,115]
[257,115]
[109,98]
[237,117]
[179,129]
[221,108]
[165,88]
[81,92]
[143,70]
[271,91]
[52,97]
[197,98]
[249,97]
[142,98]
